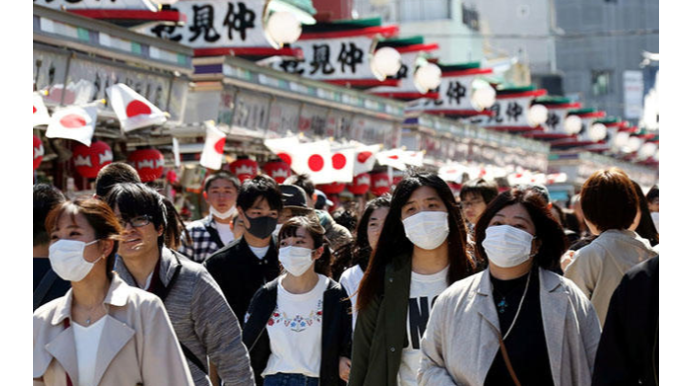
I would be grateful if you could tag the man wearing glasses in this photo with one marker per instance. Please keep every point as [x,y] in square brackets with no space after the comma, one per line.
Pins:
[205,325]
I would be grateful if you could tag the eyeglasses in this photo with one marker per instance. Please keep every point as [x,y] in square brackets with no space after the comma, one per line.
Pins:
[136,222]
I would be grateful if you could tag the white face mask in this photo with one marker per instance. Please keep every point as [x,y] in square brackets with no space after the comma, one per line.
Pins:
[67,259]
[655,218]
[427,230]
[295,260]
[223,215]
[507,246]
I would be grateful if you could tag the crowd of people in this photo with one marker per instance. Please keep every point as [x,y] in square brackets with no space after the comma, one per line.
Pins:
[420,287]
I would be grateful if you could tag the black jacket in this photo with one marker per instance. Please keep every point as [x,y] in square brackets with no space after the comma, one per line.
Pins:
[336,331]
[628,352]
[239,273]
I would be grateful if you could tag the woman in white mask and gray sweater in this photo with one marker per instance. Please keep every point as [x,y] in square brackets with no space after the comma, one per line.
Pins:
[516,322]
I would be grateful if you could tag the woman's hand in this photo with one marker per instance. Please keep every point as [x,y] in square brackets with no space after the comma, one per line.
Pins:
[345,365]
[566,259]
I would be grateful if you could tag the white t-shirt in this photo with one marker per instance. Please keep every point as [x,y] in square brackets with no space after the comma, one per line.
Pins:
[86,340]
[225,233]
[424,289]
[350,280]
[294,330]
[259,252]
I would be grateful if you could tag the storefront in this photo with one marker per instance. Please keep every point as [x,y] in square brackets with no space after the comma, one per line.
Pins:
[75,59]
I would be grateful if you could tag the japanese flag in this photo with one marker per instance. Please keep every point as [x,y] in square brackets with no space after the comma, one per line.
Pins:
[343,163]
[399,158]
[74,122]
[41,116]
[451,172]
[132,109]
[365,158]
[282,147]
[314,159]
[212,155]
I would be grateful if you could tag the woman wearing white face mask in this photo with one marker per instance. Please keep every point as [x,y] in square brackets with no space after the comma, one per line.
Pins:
[516,322]
[297,328]
[420,252]
[102,332]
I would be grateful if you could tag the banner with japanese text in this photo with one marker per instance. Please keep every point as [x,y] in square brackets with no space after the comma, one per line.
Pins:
[144,5]
[455,94]
[404,75]
[215,23]
[506,112]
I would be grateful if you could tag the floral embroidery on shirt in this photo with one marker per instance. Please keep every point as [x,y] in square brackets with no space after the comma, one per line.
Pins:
[298,323]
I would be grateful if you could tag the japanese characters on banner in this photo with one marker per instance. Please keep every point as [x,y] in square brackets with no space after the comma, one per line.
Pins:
[509,111]
[41,115]
[338,55]
[74,122]
[556,118]
[329,59]
[455,94]
[215,23]
[145,5]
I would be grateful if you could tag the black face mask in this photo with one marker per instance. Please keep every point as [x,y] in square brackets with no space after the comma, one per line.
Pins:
[262,227]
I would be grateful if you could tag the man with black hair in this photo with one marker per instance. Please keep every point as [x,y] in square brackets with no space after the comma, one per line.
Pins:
[113,174]
[243,266]
[205,326]
[213,232]
[47,285]
[475,195]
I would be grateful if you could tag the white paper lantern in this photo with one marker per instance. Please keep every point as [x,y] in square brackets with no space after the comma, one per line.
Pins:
[597,132]
[537,115]
[634,143]
[621,139]
[647,150]
[283,28]
[484,97]
[573,124]
[656,155]
[427,77]
[386,61]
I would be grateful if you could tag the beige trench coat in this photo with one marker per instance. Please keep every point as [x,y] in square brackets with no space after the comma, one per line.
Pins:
[461,339]
[137,347]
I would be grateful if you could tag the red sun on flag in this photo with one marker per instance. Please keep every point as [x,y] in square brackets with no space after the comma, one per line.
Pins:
[363,156]
[339,161]
[316,162]
[137,107]
[35,110]
[394,157]
[220,146]
[73,121]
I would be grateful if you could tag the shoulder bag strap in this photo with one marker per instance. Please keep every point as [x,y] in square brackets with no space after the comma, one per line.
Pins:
[43,287]
[506,359]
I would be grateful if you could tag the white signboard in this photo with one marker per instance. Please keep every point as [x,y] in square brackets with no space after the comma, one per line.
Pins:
[145,5]
[455,93]
[633,90]
[555,119]
[215,23]
[341,58]
[507,112]
[404,75]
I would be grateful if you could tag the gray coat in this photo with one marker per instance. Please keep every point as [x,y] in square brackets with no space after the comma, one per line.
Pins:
[202,319]
[461,339]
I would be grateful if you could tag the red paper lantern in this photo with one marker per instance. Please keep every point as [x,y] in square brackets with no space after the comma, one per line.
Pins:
[90,160]
[148,163]
[244,168]
[332,188]
[278,170]
[38,152]
[360,184]
[380,183]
